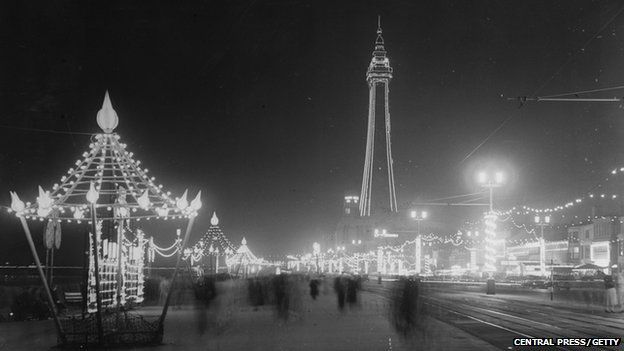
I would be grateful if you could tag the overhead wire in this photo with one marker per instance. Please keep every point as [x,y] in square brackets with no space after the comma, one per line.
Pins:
[557,72]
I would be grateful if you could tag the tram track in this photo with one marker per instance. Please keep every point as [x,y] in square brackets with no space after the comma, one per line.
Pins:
[499,326]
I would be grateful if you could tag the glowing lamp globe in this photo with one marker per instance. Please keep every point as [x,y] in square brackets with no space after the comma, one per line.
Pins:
[214,221]
[92,194]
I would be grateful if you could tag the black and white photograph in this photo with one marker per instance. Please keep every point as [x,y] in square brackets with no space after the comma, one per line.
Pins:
[312,175]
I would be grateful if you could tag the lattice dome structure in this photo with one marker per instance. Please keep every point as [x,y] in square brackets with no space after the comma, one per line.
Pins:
[108,189]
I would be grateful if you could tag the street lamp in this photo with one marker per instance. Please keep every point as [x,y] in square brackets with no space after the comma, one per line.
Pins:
[542,222]
[490,181]
[418,217]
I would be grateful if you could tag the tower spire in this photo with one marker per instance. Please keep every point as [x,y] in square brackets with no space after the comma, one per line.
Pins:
[379,42]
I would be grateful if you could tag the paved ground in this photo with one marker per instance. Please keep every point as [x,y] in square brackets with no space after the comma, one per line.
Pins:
[230,324]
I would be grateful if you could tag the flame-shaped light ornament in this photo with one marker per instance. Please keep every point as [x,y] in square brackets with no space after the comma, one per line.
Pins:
[17,205]
[92,194]
[144,201]
[107,117]
[182,202]
[214,221]
[196,204]
[45,203]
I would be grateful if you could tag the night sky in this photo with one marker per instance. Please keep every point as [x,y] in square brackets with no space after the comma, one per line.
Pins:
[262,105]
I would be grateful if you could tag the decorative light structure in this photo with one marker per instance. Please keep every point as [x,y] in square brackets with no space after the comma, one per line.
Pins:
[542,222]
[418,217]
[488,181]
[108,185]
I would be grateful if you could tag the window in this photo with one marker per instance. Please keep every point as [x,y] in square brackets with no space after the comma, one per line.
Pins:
[576,253]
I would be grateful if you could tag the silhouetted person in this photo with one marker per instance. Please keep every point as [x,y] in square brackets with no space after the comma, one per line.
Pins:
[280,284]
[314,290]
[340,288]
[352,289]
[610,294]
[405,306]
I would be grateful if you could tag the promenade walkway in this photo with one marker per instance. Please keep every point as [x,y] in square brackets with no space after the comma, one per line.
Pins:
[231,324]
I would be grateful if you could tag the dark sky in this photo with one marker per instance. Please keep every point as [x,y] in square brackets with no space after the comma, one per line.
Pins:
[262,104]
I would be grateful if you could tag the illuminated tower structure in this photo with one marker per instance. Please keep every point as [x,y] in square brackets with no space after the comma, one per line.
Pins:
[378,192]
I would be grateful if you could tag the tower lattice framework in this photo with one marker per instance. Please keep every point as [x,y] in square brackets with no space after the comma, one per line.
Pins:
[378,75]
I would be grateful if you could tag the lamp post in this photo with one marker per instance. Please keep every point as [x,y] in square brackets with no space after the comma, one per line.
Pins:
[92,197]
[418,217]
[191,210]
[542,222]
[316,247]
[488,181]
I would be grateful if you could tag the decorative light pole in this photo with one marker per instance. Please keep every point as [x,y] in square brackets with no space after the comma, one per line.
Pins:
[487,181]
[418,217]
[19,208]
[92,197]
[542,222]
[316,247]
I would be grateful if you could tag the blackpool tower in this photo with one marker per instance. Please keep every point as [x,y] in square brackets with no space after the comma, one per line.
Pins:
[378,193]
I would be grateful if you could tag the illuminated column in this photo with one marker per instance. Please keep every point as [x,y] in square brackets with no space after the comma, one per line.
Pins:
[542,245]
[366,266]
[417,254]
[380,260]
[490,236]
[427,267]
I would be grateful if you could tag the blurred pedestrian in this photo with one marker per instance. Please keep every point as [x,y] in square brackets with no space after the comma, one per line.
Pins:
[404,306]
[352,290]
[619,286]
[610,294]
[340,288]
[163,290]
[280,285]
[314,290]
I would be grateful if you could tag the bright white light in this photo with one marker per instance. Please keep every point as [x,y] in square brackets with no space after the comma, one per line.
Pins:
[182,202]
[44,200]
[92,194]
[537,219]
[196,204]
[482,177]
[547,219]
[17,205]
[143,200]
[413,214]
[353,242]
[424,214]
[499,177]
